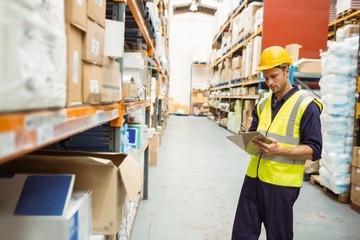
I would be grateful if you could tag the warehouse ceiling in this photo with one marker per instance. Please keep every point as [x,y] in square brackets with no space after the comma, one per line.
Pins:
[202,6]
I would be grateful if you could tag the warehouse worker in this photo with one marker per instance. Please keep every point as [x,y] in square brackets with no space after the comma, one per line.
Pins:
[291,120]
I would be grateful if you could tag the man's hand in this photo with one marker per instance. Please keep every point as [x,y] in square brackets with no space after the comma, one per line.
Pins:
[266,147]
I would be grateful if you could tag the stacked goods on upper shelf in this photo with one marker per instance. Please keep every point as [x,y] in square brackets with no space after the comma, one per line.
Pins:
[54,56]
[244,64]
[33,59]
[134,75]
[338,91]
[234,117]
[344,6]
[93,55]
[332,13]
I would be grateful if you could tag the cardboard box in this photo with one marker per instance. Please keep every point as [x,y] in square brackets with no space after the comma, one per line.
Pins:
[154,142]
[94,43]
[129,90]
[355,175]
[76,13]
[355,194]
[96,10]
[247,118]
[110,177]
[356,157]
[249,105]
[160,130]
[37,207]
[114,38]
[111,85]
[74,66]
[309,66]
[153,157]
[92,84]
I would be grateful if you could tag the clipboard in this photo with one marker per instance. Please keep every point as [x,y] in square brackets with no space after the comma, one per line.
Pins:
[244,141]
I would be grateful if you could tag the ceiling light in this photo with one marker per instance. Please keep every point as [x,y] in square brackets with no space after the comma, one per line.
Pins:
[193,6]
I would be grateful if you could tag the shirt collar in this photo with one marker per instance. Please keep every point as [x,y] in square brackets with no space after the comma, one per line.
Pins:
[294,89]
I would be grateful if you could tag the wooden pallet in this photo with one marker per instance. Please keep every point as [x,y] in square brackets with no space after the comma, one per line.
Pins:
[346,13]
[343,198]
[355,207]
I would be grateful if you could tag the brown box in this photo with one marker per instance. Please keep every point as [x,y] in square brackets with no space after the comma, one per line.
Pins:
[155,142]
[355,194]
[249,105]
[92,85]
[110,176]
[76,13]
[111,85]
[355,175]
[129,90]
[157,88]
[160,130]
[94,43]
[74,74]
[247,118]
[153,158]
[252,91]
[356,157]
[310,67]
[96,10]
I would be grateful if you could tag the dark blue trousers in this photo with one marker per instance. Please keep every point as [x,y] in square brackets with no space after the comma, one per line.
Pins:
[261,202]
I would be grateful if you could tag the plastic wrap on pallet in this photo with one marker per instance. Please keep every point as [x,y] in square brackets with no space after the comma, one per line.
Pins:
[337,124]
[337,88]
[34,55]
[337,162]
[338,183]
[337,143]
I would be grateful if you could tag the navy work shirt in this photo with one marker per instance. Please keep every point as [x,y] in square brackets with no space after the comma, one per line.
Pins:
[310,125]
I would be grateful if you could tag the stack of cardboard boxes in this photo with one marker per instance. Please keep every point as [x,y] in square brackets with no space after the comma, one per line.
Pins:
[355,178]
[92,77]
[113,179]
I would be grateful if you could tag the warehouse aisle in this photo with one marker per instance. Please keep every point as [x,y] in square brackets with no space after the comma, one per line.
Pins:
[194,190]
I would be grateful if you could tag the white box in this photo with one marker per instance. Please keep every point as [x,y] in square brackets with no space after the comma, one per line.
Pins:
[134,60]
[41,207]
[114,39]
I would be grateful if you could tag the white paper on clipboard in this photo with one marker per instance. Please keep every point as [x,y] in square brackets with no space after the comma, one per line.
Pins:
[244,141]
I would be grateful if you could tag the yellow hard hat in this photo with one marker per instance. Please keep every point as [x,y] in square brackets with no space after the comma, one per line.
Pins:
[272,57]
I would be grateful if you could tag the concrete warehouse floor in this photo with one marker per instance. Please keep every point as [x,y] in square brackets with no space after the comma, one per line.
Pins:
[193,192]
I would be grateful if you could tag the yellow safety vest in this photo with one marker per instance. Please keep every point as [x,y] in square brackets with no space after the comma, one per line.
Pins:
[285,128]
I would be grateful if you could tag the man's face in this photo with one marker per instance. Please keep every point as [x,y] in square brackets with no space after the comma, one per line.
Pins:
[277,78]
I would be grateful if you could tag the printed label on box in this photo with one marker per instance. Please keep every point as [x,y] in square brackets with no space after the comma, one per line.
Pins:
[80,2]
[95,46]
[75,70]
[358,170]
[7,143]
[94,86]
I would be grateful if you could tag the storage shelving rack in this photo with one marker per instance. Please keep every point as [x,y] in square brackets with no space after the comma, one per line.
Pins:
[194,101]
[24,132]
[284,23]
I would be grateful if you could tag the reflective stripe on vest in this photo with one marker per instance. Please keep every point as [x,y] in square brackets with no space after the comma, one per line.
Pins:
[285,128]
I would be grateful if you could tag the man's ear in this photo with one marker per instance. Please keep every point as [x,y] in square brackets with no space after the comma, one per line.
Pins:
[287,71]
